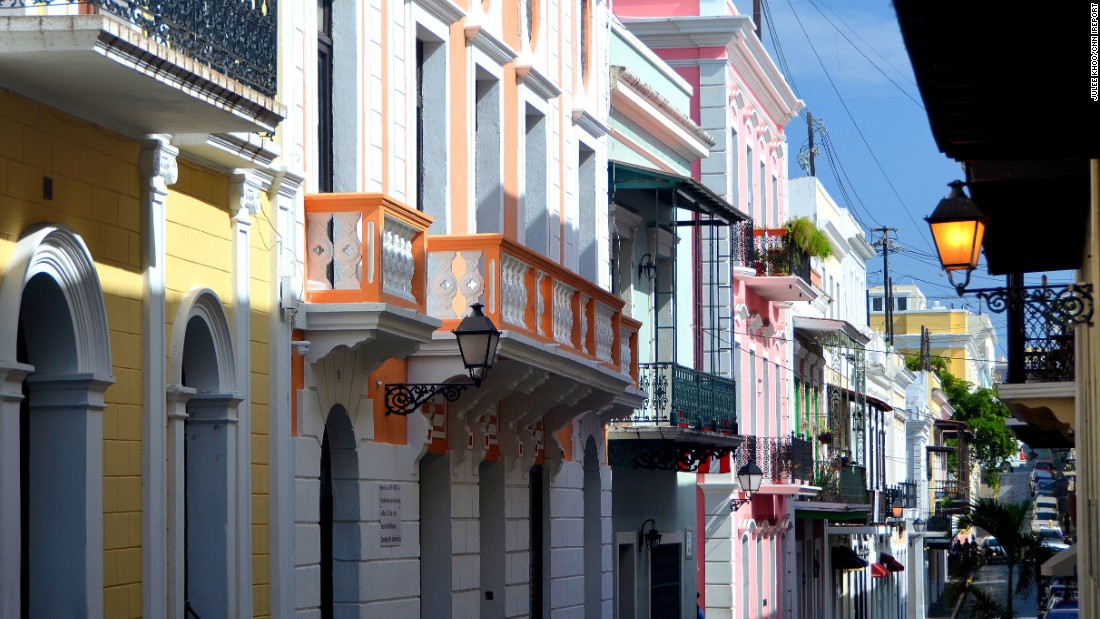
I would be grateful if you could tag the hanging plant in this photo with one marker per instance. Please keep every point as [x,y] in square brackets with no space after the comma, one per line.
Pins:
[802,232]
[825,438]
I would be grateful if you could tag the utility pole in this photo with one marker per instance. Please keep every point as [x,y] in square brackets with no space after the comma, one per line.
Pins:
[810,133]
[756,19]
[886,243]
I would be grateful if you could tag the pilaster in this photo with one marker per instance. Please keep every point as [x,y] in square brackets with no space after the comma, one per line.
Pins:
[158,171]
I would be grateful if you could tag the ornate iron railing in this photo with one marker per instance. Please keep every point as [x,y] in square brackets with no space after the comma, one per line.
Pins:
[780,458]
[950,495]
[840,483]
[904,493]
[1041,328]
[238,38]
[744,249]
[775,255]
[681,396]
[939,522]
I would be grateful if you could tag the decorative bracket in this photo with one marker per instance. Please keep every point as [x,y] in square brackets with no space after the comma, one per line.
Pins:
[1070,304]
[405,398]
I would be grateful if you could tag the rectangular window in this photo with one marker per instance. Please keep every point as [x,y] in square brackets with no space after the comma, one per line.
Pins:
[735,170]
[876,304]
[587,258]
[775,201]
[748,182]
[431,131]
[487,157]
[325,156]
[903,304]
[536,214]
[764,196]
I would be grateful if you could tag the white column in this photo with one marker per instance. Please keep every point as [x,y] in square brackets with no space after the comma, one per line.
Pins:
[719,536]
[11,394]
[244,202]
[284,295]
[158,171]
[177,397]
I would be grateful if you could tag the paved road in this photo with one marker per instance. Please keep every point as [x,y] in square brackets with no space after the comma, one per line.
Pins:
[1015,487]
[994,578]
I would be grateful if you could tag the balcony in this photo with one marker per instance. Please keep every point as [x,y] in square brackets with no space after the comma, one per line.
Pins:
[679,396]
[1041,385]
[139,66]
[843,483]
[526,294]
[779,270]
[950,496]
[782,459]
[365,274]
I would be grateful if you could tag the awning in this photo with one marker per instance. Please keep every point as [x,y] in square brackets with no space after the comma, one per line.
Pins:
[890,562]
[1062,564]
[812,325]
[695,195]
[845,558]
[879,570]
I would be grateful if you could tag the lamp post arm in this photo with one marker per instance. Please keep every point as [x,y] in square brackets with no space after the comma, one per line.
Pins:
[405,398]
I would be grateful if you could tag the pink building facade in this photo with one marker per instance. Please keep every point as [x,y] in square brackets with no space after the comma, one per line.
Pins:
[739,314]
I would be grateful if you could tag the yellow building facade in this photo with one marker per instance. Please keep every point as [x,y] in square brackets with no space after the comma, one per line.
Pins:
[140,292]
[965,340]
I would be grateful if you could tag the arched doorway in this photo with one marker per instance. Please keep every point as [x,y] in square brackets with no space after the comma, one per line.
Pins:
[202,427]
[339,517]
[55,352]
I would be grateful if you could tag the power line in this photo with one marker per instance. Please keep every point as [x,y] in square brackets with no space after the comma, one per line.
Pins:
[859,131]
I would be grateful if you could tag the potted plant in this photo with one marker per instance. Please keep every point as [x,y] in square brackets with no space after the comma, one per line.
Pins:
[825,438]
[805,234]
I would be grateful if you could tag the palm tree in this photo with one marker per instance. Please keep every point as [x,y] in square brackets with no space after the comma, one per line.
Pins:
[1024,550]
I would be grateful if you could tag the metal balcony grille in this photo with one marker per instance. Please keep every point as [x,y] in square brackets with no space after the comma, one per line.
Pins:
[843,483]
[237,38]
[775,255]
[681,396]
[780,458]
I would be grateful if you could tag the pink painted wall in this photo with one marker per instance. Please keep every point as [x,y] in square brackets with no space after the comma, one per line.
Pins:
[649,8]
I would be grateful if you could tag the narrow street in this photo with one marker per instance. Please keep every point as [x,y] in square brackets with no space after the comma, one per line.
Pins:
[994,578]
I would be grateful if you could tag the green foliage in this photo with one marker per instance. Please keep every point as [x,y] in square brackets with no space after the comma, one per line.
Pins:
[1024,550]
[803,233]
[992,443]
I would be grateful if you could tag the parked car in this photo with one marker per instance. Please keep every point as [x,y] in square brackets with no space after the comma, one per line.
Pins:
[1053,538]
[994,552]
[1046,518]
[1045,464]
[1039,476]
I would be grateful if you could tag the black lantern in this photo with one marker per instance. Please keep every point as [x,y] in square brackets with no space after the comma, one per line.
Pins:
[896,509]
[478,340]
[919,526]
[651,539]
[958,228]
[749,476]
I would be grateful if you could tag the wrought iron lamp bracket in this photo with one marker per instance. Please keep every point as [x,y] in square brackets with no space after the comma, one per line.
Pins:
[735,504]
[1070,304]
[405,398]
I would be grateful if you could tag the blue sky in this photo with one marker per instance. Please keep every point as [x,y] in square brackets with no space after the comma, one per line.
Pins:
[848,63]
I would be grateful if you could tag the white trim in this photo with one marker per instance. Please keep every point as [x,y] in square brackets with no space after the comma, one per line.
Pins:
[443,11]
[480,39]
[205,304]
[58,252]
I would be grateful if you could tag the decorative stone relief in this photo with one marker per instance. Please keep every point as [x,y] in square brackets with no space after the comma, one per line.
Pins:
[513,290]
[347,254]
[563,313]
[319,246]
[540,303]
[605,334]
[584,324]
[624,351]
[398,265]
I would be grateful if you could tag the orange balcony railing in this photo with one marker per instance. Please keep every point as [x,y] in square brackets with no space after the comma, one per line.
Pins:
[523,291]
[365,247]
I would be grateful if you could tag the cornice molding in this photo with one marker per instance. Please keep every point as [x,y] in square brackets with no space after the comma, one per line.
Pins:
[534,80]
[444,10]
[482,40]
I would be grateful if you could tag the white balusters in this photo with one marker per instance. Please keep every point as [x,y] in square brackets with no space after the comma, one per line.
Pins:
[624,351]
[319,247]
[605,334]
[540,303]
[398,265]
[513,290]
[584,323]
[563,313]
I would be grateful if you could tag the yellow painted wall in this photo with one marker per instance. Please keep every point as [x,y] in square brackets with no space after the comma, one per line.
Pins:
[97,192]
[909,323]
